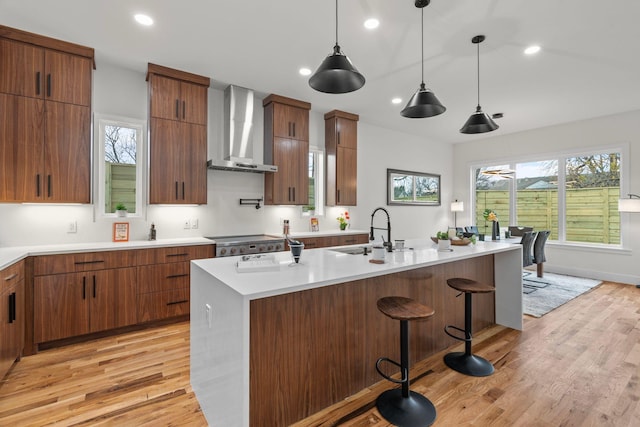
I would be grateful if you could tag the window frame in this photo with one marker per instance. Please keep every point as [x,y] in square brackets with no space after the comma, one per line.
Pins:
[100,121]
[319,185]
[561,157]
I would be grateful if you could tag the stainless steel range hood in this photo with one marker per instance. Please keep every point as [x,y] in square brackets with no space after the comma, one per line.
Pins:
[238,133]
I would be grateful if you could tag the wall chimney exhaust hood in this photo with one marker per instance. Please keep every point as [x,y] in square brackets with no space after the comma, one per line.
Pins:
[238,134]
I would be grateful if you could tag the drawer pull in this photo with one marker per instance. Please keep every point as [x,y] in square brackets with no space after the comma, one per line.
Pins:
[174,276]
[182,254]
[178,302]
[88,262]
[11,277]
[12,307]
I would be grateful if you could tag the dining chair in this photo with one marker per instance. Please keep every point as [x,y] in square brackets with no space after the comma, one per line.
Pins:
[538,250]
[516,230]
[527,247]
[472,229]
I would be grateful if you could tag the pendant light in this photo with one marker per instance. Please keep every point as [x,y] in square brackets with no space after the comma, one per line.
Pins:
[479,122]
[424,102]
[336,74]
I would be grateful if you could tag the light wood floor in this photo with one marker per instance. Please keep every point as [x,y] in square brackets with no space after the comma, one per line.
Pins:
[576,366]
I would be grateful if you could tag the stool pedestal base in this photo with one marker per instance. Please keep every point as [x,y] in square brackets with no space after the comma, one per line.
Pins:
[414,411]
[468,364]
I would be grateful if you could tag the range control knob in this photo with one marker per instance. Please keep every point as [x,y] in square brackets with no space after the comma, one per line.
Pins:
[261,249]
[278,247]
[270,248]
[242,250]
[223,251]
[232,251]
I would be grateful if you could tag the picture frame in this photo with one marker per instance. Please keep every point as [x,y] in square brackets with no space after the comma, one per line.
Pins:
[412,188]
[120,231]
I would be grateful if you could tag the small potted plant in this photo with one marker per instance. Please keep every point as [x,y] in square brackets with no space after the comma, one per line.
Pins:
[444,243]
[343,220]
[121,210]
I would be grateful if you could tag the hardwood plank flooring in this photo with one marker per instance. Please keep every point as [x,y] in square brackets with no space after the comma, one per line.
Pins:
[578,365]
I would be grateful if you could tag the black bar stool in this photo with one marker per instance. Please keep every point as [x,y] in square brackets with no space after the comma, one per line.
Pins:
[466,362]
[401,406]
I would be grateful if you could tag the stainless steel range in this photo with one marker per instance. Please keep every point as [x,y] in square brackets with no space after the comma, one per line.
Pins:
[243,245]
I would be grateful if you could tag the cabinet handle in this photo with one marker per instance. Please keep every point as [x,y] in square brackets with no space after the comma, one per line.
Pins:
[182,254]
[294,194]
[49,85]
[38,185]
[184,110]
[177,108]
[178,302]
[183,190]
[289,132]
[338,196]
[38,83]
[94,286]
[294,129]
[88,262]
[338,138]
[12,307]
[11,277]
[176,190]
[84,287]
[48,185]
[175,276]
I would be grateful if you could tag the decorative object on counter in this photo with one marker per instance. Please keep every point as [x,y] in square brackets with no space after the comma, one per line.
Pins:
[152,232]
[121,210]
[378,252]
[455,208]
[252,202]
[444,243]
[257,263]
[120,231]
[296,250]
[399,245]
[479,122]
[285,227]
[315,226]
[343,220]
[456,241]
[336,74]
[491,216]
[412,188]
[424,102]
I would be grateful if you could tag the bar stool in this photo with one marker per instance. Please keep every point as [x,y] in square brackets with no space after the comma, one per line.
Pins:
[465,362]
[401,406]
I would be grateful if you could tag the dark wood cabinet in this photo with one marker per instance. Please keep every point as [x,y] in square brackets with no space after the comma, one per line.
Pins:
[178,136]
[286,145]
[328,241]
[12,315]
[45,95]
[341,144]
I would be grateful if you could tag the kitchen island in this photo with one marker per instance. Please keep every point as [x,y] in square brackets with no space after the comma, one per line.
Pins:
[272,347]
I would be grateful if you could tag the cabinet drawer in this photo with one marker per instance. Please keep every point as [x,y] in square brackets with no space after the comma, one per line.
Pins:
[163,277]
[11,275]
[89,261]
[173,254]
[163,305]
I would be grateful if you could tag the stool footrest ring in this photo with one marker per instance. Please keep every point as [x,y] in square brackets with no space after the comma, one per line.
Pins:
[405,374]
[466,334]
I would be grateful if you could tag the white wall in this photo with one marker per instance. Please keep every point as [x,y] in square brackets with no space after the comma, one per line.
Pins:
[123,92]
[620,265]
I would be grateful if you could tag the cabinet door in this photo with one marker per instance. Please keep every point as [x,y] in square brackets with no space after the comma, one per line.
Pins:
[346,177]
[165,97]
[347,133]
[165,161]
[21,143]
[195,166]
[67,153]
[112,298]
[194,103]
[60,306]
[290,122]
[280,181]
[300,172]
[67,78]
[21,69]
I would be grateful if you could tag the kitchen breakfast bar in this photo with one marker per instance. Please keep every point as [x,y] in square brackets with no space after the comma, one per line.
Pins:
[272,347]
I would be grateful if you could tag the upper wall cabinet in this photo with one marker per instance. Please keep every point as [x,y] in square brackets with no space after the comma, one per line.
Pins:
[45,142]
[341,144]
[177,136]
[286,145]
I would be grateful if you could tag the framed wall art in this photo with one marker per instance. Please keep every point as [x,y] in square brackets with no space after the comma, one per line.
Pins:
[120,231]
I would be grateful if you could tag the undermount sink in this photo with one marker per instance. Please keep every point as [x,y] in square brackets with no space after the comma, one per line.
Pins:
[359,250]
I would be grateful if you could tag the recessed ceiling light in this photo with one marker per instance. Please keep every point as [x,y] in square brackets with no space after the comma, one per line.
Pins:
[143,19]
[304,71]
[371,23]
[396,100]
[532,50]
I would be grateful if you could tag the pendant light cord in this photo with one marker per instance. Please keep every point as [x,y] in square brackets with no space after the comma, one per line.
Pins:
[422,43]
[478,66]
[336,22]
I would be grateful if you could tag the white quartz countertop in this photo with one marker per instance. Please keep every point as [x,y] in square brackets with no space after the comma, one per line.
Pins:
[11,255]
[322,267]
[322,233]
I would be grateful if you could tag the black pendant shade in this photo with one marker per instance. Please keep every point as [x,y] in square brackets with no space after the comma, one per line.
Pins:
[336,74]
[424,102]
[479,122]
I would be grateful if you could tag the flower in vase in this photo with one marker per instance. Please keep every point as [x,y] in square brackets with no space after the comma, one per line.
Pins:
[489,215]
[343,220]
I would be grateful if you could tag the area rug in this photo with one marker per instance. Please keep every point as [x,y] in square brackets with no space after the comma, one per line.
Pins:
[543,294]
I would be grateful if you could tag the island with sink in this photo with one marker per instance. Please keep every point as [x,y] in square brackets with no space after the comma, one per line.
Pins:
[274,345]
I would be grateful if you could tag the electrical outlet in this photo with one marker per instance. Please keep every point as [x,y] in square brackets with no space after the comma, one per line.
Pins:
[187,224]
[194,223]
[72,227]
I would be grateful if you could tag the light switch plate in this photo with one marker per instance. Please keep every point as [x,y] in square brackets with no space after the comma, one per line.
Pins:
[72,227]
[194,223]
[187,224]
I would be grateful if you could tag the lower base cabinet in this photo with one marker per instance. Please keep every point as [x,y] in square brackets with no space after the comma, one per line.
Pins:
[12,316]
[328,241]
[163,291]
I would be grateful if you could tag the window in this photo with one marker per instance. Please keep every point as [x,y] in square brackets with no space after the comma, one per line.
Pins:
[316,184]
[412,188]
[120,164]
[574,196]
